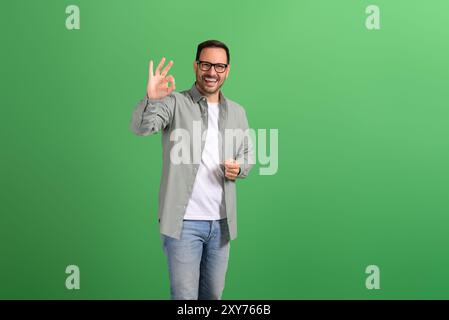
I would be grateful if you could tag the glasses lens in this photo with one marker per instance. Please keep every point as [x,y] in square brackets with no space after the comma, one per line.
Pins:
[220,67]
[205,66]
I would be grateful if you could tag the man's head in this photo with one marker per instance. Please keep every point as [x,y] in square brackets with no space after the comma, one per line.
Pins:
[211,66]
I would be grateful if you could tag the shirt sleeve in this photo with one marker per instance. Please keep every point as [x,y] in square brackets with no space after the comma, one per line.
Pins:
[152,115]
[245,154]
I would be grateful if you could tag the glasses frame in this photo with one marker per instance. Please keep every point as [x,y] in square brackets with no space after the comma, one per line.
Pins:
[198,62]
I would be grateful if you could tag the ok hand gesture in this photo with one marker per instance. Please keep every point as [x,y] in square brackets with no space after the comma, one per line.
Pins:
[157,86]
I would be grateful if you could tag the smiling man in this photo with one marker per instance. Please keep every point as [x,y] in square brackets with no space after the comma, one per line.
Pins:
[197,199]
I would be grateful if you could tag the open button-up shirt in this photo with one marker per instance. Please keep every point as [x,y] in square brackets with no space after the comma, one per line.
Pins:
[183,116]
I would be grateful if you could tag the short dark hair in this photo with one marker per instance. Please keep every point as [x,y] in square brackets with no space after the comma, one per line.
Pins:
[212,44]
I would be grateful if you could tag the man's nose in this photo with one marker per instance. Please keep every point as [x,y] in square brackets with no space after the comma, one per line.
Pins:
[211,71]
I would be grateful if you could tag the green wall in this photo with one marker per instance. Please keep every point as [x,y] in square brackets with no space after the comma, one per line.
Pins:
[363,124]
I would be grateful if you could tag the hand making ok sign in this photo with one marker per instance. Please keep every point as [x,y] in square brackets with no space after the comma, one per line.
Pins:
[157,86]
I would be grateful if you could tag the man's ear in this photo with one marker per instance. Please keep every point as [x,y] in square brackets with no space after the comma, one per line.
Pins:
[195,66]
[228,69]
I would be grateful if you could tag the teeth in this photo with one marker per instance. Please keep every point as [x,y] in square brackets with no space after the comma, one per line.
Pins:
[210,79]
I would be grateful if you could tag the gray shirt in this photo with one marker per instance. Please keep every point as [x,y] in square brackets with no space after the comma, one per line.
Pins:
[182,119]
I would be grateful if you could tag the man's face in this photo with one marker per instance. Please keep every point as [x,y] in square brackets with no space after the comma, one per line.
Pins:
[210,81]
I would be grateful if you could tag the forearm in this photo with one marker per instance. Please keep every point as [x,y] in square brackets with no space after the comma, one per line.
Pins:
[151,115]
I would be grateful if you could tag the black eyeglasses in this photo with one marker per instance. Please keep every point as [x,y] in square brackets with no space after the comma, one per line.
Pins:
[205,66]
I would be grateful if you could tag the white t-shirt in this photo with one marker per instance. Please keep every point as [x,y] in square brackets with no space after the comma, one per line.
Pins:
[206,201]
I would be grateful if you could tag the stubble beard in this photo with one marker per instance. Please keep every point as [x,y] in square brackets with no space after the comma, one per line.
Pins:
[204,88]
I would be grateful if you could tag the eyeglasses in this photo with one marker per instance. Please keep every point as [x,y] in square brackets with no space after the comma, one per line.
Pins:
[205,66]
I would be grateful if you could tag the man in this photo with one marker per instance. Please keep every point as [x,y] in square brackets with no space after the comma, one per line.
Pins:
[201,162]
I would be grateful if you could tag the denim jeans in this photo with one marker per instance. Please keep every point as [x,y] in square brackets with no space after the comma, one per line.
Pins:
[198,261]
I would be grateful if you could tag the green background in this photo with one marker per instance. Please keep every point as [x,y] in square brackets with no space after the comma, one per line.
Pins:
[363,126]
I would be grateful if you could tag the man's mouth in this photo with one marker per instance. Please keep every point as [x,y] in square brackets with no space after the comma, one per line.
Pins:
[210,81]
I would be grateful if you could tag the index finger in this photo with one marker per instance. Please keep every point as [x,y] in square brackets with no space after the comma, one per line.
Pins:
[229,161]
[234,165]
[161,63]
[167,67]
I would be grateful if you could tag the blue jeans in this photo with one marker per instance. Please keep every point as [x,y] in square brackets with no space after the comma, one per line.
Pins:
[198,261]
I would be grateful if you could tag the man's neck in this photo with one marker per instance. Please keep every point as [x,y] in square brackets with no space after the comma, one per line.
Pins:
[213,99]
